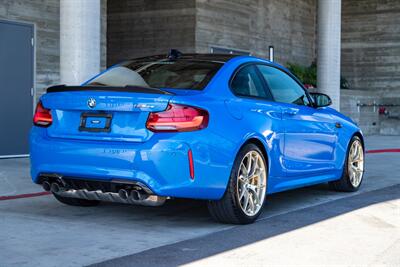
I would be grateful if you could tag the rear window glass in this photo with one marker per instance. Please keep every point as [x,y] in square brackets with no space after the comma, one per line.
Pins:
[180,74]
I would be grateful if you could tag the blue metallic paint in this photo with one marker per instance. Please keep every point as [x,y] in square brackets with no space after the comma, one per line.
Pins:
[303,148]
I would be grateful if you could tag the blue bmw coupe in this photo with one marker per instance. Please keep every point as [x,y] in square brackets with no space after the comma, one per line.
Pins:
[223,128]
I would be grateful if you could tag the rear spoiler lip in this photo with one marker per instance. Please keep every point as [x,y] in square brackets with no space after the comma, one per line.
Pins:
[129,89]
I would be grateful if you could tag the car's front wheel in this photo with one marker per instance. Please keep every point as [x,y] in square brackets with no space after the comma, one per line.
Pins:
[353,169]
[245,194]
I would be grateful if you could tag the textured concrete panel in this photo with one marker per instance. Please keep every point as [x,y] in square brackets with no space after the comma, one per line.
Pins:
[138,28]
[371,43]
[253,25]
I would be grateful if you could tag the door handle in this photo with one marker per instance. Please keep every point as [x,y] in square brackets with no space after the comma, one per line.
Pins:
[290,111]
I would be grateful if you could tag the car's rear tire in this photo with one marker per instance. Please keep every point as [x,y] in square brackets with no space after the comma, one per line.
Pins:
[244,197]
[76,201]
[353,168]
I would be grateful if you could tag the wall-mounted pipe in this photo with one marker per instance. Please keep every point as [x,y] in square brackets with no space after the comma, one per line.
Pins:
[271,53]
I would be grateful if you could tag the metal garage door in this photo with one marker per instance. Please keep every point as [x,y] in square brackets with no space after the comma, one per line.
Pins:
[16,83]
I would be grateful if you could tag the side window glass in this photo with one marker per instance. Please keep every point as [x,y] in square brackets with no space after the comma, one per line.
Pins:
[283,87]
[248,83]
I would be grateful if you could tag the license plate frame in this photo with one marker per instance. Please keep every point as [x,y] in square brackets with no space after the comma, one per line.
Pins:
[90,115]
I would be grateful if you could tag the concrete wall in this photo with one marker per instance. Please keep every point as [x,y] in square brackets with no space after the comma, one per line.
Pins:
[390,123]
[363,107]
[103,37]
[371,63]
[370,40]
[138,28]
[253,25]
[366,117]
[45,14]
[371,43]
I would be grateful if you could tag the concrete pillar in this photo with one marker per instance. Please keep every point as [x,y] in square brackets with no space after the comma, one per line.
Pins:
[328,58]
[79,41]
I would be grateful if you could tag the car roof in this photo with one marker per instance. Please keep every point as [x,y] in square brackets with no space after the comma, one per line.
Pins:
[221,58]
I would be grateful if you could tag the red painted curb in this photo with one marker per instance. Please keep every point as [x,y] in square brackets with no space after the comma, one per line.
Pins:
[25,196]
[389,150]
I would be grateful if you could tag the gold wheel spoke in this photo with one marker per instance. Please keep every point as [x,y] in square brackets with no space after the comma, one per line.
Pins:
[251,202]
[248,167]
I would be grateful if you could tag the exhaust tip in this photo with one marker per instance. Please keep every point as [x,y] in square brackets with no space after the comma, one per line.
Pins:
[55,188]
[122,193]
[136,195]
[46,186]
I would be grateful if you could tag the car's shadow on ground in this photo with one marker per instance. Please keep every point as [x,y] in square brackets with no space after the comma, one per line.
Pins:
[186,211]
[189,251]
[182,211]
[190,209]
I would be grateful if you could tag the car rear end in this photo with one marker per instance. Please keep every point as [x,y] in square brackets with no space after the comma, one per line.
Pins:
[124,136]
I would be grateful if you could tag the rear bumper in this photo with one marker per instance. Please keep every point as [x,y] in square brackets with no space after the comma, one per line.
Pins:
[162,165]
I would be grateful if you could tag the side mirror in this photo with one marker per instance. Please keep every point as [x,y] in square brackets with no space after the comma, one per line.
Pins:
[321,100]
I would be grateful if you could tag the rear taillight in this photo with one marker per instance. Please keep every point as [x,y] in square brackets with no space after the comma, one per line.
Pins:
[177,118]
[42,116]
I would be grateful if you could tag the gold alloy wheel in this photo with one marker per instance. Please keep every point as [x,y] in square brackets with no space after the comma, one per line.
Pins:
[356,163]
[251,183]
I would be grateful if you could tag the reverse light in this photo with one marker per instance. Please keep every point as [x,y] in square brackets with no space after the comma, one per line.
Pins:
[177,118]
[42,116]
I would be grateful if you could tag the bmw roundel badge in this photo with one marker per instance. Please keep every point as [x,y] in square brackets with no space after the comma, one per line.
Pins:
[91,102]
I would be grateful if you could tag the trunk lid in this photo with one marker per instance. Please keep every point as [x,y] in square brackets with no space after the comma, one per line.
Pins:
[103,113]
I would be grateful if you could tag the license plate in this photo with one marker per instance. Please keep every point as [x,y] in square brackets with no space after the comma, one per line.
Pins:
[95,122]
